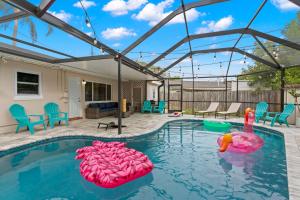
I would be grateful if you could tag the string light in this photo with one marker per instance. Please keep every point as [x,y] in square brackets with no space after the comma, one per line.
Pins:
[274,50]
[245,58]
[220,64]
[198,67]
[101,50]
[95,41]
[215,58]
[179,68]
[141,56]
[87,22]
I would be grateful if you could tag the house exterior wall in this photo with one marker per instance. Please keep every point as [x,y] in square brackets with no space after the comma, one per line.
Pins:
[54,83]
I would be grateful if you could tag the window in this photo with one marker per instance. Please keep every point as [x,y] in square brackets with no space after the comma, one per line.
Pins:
[89,91]
[97,92]
[28,85]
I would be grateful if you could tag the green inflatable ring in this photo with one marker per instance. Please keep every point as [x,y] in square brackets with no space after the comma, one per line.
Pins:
[217,126]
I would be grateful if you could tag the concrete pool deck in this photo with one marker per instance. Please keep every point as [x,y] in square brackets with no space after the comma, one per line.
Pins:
[139,124]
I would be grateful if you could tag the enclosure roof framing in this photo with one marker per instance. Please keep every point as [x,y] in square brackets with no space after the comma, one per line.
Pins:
[54,21]
[25,8]
[13,16]
[168,18]
[253,33]
[297,2]
[227,49]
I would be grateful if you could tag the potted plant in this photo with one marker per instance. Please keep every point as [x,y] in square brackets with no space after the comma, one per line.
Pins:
[296,95]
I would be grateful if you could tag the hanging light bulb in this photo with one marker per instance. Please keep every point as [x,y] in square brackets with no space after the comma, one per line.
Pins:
[245,60]
[182,74]
[87,22]
[101,50]
[215,58]
[220,64]
[276,56]
[169,74]
[198,67]
[95,41]
[274,50]
[141,56]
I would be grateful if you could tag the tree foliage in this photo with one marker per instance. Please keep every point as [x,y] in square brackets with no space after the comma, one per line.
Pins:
[27,20]
[285,56]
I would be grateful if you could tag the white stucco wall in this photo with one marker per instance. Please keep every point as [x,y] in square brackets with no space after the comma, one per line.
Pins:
[152,91]
[54,83]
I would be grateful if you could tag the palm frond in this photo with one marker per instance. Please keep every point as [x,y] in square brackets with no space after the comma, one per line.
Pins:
[33,32]
[50,30]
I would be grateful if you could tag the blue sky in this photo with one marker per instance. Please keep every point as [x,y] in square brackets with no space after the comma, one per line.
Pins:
[118,23]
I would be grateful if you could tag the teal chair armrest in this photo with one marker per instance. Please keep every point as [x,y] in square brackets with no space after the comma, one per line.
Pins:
[40,116]
[21,118]
[66,115]
[272,113]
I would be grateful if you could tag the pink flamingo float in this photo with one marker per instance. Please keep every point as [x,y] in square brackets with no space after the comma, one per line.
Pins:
[242,142]
[111,164]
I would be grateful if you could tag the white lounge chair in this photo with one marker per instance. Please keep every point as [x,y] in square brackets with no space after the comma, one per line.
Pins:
[211,109]
[233,109]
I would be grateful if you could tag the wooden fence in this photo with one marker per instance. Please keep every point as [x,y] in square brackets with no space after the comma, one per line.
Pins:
[202,99]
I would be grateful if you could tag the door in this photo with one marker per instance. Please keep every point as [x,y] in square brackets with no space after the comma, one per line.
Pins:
[175,98]
[137,99]
[74,97]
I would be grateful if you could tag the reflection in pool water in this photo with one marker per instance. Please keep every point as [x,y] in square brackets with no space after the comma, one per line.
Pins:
[187,166]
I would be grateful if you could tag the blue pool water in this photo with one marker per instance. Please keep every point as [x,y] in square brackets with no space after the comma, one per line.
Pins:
[187,166]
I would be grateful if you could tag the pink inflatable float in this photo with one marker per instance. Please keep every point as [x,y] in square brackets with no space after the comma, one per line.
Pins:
[110,164]
[243,142]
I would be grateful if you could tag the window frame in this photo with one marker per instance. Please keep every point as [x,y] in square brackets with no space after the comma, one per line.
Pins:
[28,96]
[106,84]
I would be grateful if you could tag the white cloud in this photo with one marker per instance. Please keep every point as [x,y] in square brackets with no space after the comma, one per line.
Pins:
[213,46]
[213,26]
[122,7]
[117,33]
[62,15]
[154,13]
[116,44]
[191,15]
[285,5]
[86,4]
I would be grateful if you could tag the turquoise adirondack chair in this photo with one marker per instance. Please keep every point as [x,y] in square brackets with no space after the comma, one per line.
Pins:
[54,115]
[281,118]
[18,113]
[261,109]
[160,108]
[147,107]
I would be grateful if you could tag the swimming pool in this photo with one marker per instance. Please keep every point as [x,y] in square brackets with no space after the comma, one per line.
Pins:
[187,166]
